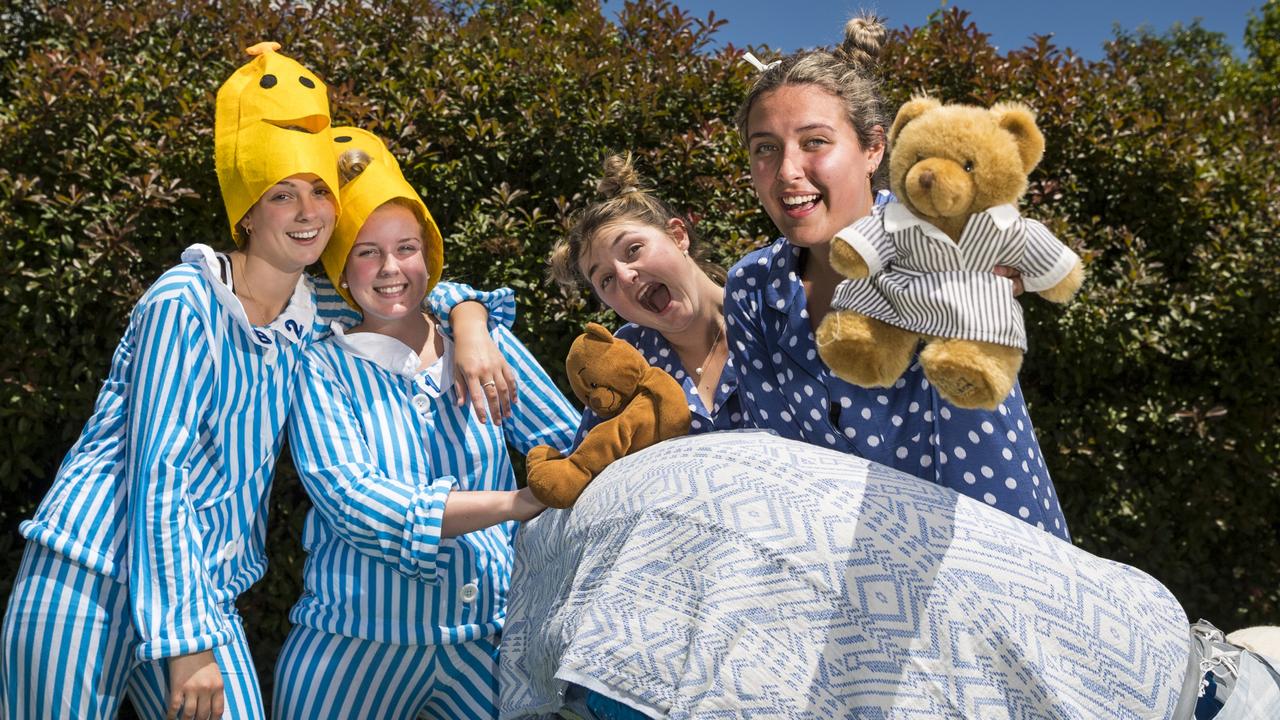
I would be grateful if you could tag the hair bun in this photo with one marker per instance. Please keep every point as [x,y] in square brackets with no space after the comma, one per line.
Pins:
[864,37]
[351,163]
[619,178]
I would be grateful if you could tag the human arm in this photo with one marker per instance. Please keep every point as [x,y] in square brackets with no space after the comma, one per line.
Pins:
[331,308]
[746,294]
[173,601]
[471,510]
[393,519]
[481,374]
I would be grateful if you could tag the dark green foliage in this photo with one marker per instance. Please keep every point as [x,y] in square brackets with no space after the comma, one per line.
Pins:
[1155,392]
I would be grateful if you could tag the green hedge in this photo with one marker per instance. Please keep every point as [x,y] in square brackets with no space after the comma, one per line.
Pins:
[1154,393]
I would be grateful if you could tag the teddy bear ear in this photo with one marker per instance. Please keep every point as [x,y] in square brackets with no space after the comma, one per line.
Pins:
[914,108]
[1018,120]
[596,331]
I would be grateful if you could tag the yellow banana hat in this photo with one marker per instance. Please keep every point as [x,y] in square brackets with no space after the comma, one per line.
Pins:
[272,122]
[379,181]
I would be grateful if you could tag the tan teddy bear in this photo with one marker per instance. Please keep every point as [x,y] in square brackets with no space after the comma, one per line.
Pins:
[921,267]
[642,406]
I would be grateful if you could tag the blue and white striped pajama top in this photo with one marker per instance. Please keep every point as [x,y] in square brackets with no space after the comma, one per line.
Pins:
[989,455]
[379,445]
[166,489]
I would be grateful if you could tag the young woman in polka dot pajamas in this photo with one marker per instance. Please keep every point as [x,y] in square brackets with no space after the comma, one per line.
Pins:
[642,260]
[814,126]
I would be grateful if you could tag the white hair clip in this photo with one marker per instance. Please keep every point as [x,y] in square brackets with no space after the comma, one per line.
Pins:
[755,61]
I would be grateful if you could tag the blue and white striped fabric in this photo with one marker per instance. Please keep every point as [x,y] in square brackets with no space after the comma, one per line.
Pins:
[698,580]
[726,411]
[379,445]
[923,281]
[501,304]
[321,673]
[66,649]
[167,486]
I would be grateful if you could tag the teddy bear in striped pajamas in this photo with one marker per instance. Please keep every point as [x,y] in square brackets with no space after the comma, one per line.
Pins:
[921,267]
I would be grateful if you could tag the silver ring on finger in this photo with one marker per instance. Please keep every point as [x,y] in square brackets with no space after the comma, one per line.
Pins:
[488,384]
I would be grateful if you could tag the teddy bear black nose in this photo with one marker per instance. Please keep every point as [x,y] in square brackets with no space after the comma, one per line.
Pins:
[926,179]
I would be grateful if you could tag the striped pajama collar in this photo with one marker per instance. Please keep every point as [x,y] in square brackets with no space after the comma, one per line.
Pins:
[395,357]
[898,218]
[293,323]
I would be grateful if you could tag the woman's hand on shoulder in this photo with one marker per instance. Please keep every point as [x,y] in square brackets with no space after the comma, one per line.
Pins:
[480,371]
[195,687]
[1013,275]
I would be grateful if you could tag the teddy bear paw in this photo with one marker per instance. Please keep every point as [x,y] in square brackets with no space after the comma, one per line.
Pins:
[862,350]
[540,454]
[557,484]
[847,261]
[971,375]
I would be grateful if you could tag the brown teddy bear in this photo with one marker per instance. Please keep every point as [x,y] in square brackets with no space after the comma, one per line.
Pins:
[921,267]
[641,405]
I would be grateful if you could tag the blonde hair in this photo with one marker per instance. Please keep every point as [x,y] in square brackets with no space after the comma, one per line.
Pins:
[353,162]
[849,73]
[625,200]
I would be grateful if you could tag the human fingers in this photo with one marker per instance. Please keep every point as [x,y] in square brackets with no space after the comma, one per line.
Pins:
[204,701]
[479,399]
[1014,276]
[513,387]
[499,398]
[219,705]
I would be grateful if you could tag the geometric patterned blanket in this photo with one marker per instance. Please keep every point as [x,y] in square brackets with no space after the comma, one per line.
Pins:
[743,575]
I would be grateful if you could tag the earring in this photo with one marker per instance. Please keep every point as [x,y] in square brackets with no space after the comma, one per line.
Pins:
[343,284]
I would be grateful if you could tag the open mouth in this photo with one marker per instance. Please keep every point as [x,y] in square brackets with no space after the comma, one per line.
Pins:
[654,297]
[800,204]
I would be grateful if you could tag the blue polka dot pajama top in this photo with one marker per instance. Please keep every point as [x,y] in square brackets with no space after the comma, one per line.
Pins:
[992,456]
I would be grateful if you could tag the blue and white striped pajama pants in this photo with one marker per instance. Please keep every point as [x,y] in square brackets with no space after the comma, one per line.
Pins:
[324,675]
[68,643]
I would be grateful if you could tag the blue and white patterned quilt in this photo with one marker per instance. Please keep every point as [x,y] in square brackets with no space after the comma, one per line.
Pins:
[742,575]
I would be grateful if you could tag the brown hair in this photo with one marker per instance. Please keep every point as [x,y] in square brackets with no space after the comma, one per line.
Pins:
[849,73]
[625,200]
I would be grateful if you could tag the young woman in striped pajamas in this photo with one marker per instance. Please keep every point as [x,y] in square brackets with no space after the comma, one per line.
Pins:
[156,520]
[814,126]
[409,539]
